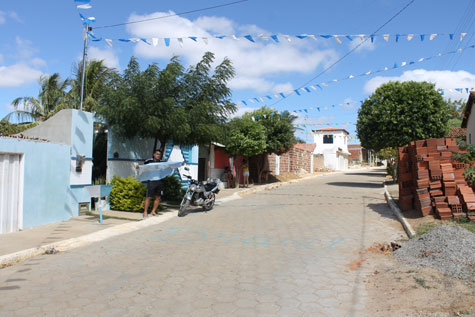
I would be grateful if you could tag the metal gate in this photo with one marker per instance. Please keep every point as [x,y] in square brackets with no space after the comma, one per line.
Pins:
[11,192]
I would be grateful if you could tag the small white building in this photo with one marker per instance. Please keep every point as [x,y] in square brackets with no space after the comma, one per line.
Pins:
[469,119]
[332,143]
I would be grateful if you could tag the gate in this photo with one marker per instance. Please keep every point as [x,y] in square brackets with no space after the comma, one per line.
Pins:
[11,192]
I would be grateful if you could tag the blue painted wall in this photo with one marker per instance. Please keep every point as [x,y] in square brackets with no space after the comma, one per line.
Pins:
[82,133]
[46,168]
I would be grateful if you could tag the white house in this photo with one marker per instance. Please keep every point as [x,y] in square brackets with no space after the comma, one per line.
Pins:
[332,143]
[469,119]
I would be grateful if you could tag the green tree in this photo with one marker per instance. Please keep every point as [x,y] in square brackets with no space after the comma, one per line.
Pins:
[456,110]
[244,137]
[51,99]
[279,132]
[183,106]
[95,81]
[7,128]
[398,113]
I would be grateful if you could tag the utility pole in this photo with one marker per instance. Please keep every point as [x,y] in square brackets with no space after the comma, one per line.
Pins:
[87,28]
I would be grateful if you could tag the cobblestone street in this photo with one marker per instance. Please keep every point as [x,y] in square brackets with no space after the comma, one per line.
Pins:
[284,252]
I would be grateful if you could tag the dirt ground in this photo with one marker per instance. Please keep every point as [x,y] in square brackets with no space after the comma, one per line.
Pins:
[397,289]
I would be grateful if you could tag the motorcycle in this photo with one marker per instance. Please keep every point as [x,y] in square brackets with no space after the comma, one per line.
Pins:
[200,194]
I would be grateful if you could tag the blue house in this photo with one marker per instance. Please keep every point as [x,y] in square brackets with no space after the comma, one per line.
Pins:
[44,171]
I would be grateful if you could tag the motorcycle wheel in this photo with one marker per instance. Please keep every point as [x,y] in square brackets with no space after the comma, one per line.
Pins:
[184,204]
[210,205]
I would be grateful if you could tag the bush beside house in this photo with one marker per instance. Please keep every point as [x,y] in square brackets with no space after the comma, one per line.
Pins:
[128,193]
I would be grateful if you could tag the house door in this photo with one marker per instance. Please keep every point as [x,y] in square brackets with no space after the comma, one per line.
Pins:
[277,165]
[11,196]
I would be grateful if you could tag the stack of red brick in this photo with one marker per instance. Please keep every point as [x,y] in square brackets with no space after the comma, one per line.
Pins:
[431,182]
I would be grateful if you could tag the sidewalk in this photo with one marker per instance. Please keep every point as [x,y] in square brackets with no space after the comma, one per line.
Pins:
[17,246]
[82,230]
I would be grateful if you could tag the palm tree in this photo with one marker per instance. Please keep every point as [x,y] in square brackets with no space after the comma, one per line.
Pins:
[50,100]
[97,76]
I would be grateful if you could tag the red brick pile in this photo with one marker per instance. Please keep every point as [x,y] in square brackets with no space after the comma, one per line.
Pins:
[431,182]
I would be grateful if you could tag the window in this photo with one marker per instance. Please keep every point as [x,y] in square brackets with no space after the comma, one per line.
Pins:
[328,139]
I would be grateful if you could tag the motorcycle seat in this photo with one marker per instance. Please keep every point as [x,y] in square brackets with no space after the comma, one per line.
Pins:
[210,186]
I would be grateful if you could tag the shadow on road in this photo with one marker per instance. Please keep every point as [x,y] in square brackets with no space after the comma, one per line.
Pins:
[368,174]
[382,209]
[354,184]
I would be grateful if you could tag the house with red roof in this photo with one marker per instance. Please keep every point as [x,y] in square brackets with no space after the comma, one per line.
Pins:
[332,144]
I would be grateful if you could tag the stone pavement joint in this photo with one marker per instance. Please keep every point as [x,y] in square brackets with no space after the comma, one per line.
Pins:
[64,245]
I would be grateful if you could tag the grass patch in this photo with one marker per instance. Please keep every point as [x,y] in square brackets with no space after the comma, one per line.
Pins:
[421,282]
[466,223]
[462,222]
[411,271]
[425,227]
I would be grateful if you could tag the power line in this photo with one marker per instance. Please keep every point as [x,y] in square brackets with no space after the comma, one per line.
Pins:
[172,15]
[352,50]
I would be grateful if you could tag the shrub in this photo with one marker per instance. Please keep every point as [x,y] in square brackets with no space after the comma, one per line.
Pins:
[127,194]
[172,189]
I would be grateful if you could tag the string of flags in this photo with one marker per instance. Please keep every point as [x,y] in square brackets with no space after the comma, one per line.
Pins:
[460,90]
[320,86]
[347,104]
[275,38]
[300,125]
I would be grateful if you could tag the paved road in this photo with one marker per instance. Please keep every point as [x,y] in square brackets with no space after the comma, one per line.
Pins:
[286,251]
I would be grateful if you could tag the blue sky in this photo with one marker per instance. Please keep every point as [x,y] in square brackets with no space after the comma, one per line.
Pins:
[44,37]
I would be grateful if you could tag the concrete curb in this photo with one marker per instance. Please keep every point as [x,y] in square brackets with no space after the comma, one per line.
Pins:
[397,212]
[12,258]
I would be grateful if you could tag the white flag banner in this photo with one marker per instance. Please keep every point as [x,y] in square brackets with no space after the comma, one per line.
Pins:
[337,39]
[432,36]
[313,37]
[361,37]
[84,6]
[410,36]
[154,41]
[109,41]
[205,39]
[180,41]
[157,171]
[234,37]
[462,35]
[287,37]
[386,37]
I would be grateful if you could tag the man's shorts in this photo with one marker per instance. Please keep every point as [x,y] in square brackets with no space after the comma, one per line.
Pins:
[154,188]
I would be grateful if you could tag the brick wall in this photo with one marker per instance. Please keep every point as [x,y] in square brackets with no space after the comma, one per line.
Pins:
[291,161]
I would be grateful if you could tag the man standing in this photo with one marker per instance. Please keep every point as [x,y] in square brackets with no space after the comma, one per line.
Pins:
[154,187]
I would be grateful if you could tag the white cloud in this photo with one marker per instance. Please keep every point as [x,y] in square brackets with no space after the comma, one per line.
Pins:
[242,110]
[37,62]
[9,14]
[108,55]
[2,59]
[364,46]
[285,87]
[18,75]
[252,61]
[442,79]
[25,48]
